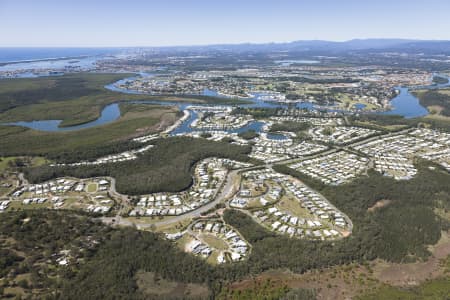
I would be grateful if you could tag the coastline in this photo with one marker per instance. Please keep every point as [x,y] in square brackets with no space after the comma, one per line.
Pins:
[15,62]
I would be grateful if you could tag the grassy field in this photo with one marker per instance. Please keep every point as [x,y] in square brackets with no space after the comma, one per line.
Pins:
[137,120]
[92,188]
[34,161]
[214,242]
[172,228]
[291,204]
[347,103]
[431,290]
[73,98]
[152,285]
[377,126]
[18,205]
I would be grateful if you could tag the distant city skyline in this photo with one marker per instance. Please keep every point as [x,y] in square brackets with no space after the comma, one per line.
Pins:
[133,23]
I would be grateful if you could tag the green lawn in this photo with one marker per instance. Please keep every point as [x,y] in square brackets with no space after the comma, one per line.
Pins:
[291,204]
[214,241]
[18,205]
[4,161]
[92,188]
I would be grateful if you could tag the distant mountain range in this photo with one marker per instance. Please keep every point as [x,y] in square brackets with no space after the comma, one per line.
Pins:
[397,45]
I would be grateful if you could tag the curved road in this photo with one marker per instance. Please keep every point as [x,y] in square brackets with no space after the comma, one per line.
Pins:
[228,190]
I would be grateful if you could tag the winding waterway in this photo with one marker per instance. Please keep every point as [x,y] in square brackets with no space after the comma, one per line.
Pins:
[404,104]
[109,114]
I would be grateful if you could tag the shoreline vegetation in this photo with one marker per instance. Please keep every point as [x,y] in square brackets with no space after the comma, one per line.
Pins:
[74,98]
[110,262]
[436,101]
[440,80]
[91,142]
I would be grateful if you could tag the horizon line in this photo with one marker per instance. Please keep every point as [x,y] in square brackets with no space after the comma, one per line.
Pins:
[221,44]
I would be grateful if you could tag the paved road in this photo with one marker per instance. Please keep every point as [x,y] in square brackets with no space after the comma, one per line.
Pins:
[228,190]
[298,159]
[336,148]
[22,179]
[225,193]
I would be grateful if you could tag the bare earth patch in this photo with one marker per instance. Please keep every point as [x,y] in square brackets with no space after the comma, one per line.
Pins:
[435,109]
[165,120]
[152,285]
[379,204]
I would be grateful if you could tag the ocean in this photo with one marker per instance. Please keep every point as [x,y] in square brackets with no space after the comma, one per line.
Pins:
[30,54]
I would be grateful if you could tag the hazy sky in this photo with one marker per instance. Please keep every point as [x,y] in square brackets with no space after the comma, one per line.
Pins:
[188,22]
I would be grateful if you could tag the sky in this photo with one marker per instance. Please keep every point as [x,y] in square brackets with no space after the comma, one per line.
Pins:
[101,23]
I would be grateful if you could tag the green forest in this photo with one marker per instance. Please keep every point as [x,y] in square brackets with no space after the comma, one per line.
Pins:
[166,167]
[398,232]
[74,98]
[290,126]
[90,143]
[436,98]
[440,80]
[104,262]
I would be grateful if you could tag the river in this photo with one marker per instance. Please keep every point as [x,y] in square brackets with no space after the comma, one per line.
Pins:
[404,104]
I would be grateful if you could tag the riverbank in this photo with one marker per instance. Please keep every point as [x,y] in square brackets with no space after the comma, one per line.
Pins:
[80,113]
[96,141]
[186,115]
